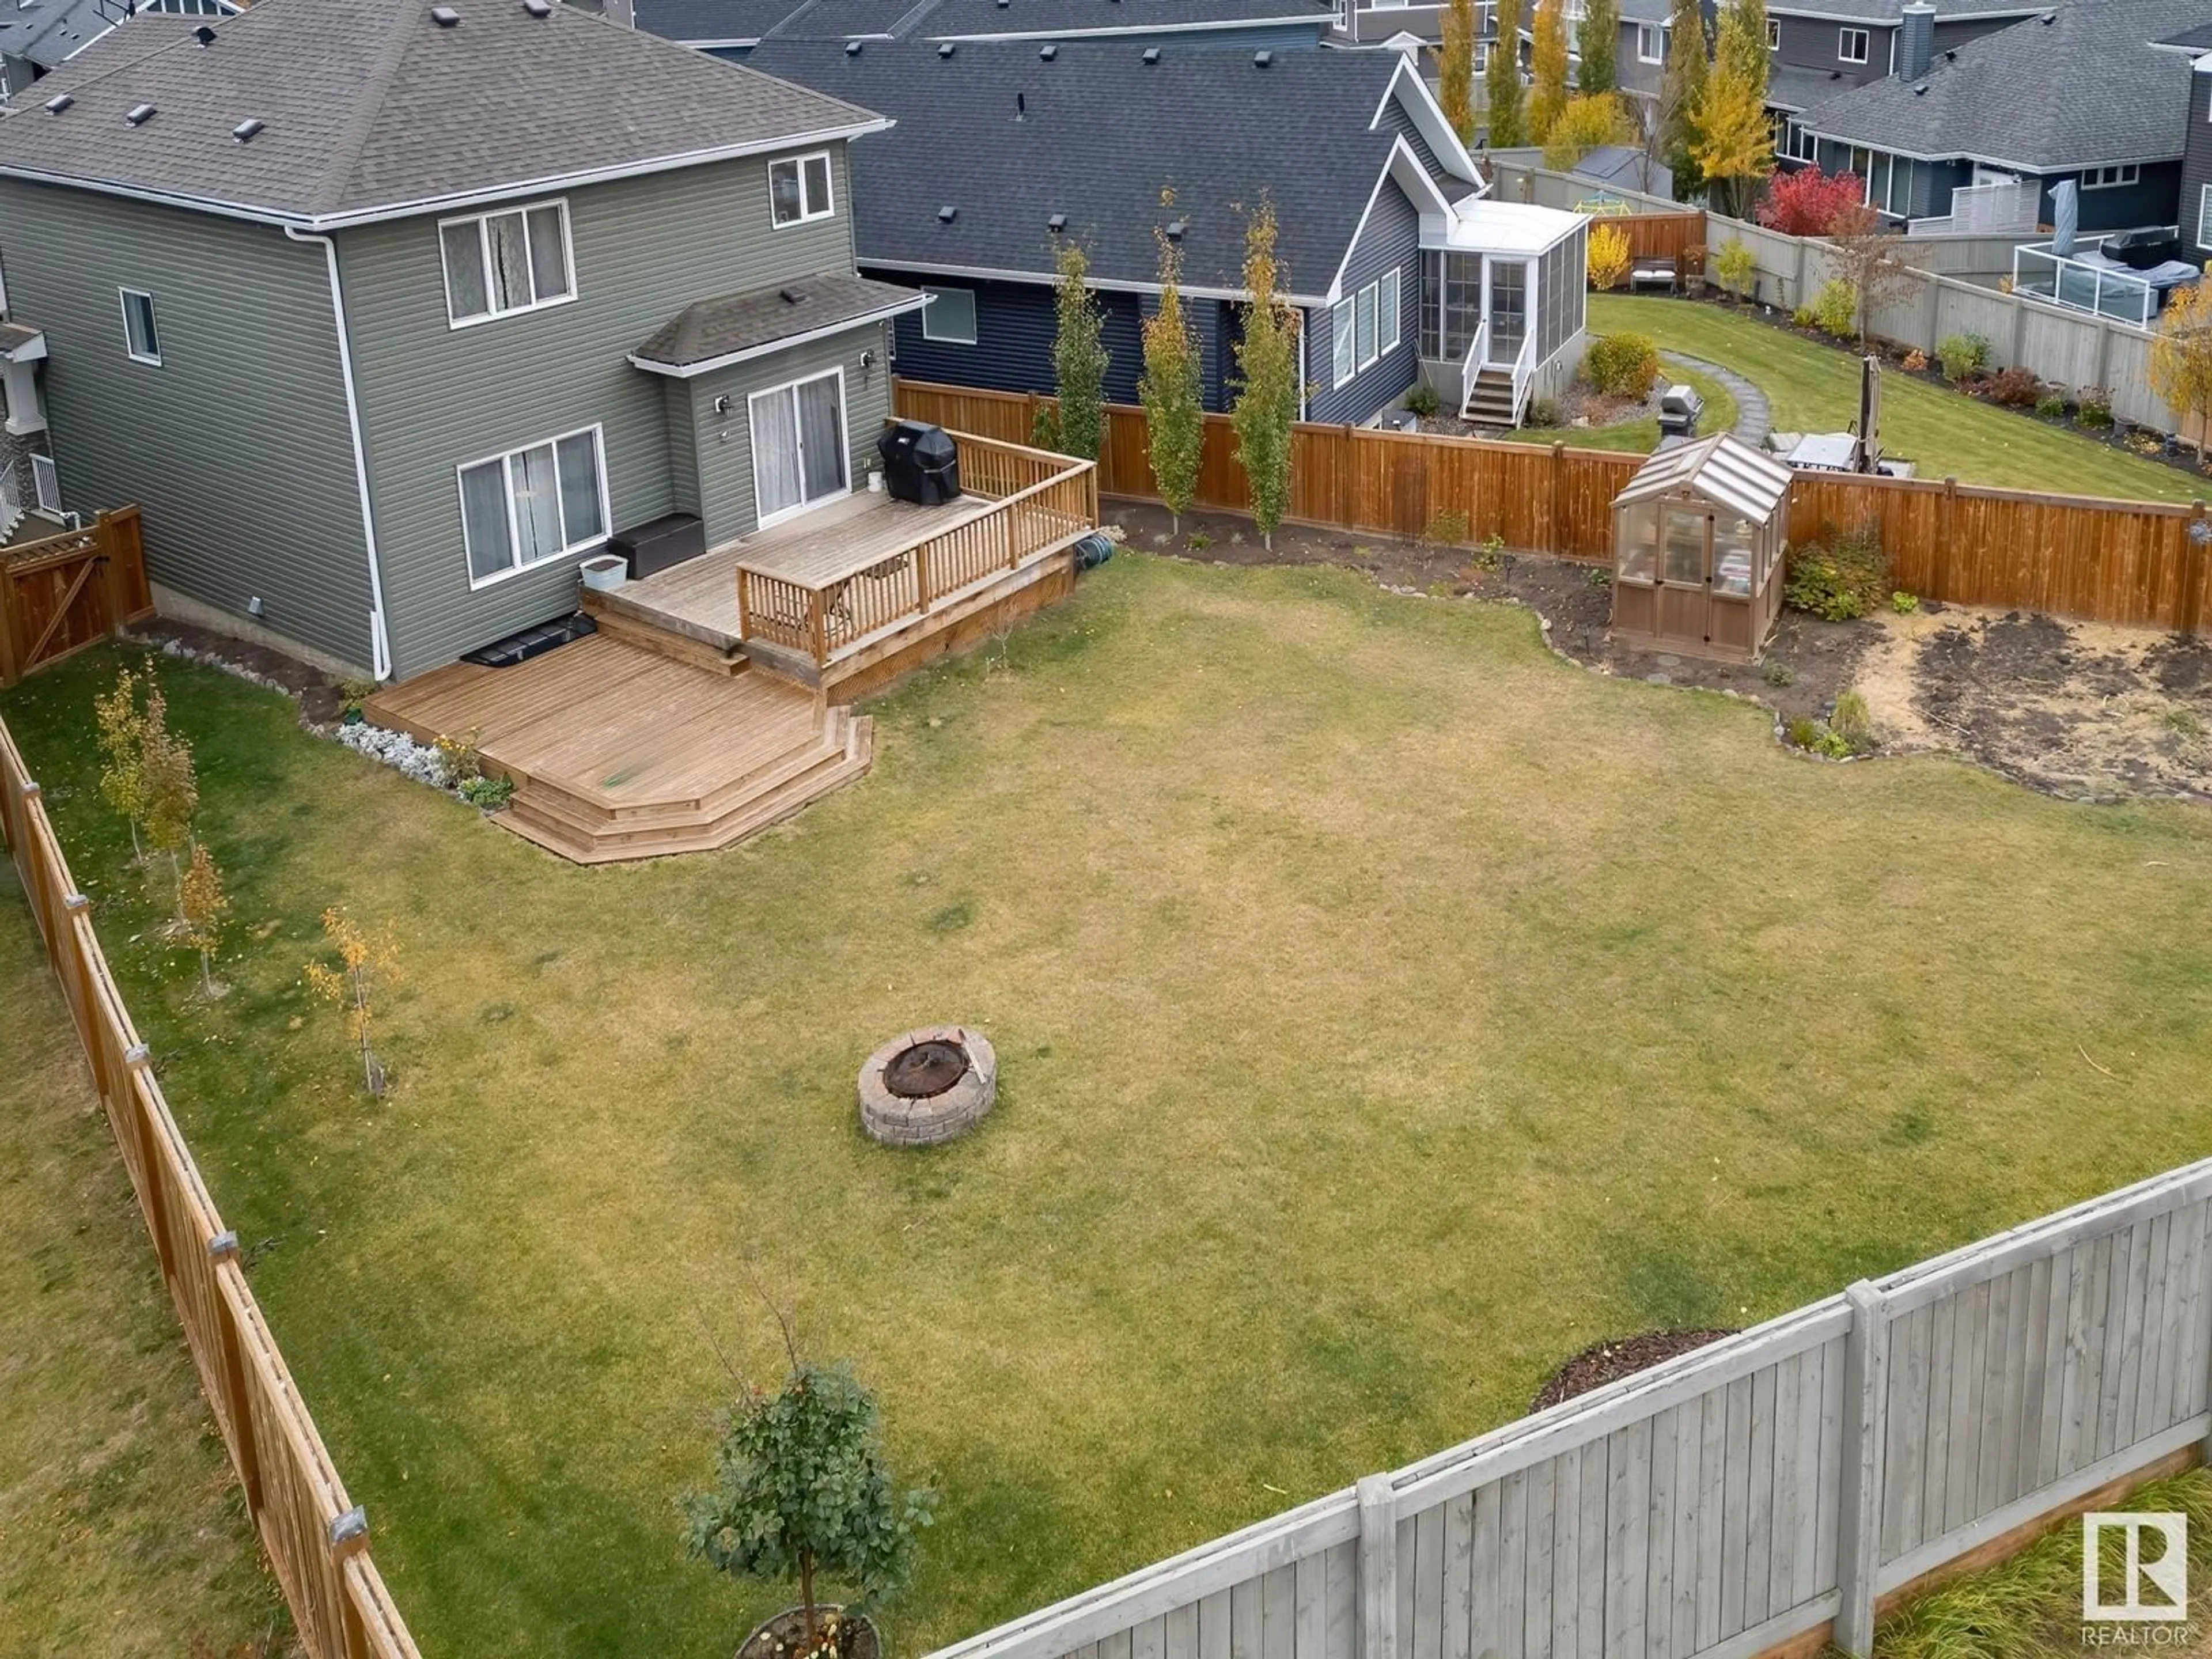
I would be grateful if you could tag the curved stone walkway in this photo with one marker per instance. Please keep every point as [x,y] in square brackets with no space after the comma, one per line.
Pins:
[1755,417]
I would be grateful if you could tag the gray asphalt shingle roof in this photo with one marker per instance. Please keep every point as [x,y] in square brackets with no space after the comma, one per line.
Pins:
[936,20]
[1788,87]
[1889,11]
[746,322]
[371,106]
[1100,134]
[2078,85]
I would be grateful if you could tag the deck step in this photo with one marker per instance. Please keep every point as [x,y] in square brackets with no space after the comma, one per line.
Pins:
[676,647]
[820,770]
[580,819]
[600,815]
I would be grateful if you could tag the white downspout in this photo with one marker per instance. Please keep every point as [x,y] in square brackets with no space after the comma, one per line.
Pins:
[379,641]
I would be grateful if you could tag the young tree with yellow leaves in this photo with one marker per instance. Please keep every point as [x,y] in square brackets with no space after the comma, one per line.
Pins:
[1501,80]
[1588,122]
[1456,69]
[2181,356]
[1734,146]
[367,961]
[170,785]
[1172,388]
[122,754]
[202,904]
[1597,44]
[1674,115]
[1267,405]
[1547,98]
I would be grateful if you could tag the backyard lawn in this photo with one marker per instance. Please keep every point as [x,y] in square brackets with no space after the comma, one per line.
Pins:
[1816,388]
[121,1532]
[1385,1008]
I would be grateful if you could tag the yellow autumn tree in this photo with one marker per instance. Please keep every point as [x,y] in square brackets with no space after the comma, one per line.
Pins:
[1547,98]
[1456,69]
[1589,121]
[121,729]
[202,904]
[1734,143]
[2181,357]
[366,963]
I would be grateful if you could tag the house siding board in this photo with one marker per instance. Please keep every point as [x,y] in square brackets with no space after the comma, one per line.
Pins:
[1390,241]
[436,398]
[722,444]
[250,372]
[2195,164]
[2149,201]
[1811,43]
[1013,352]
[1395,118]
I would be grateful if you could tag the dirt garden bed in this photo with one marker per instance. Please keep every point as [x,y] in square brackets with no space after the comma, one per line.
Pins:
[2079,710]
[1582,406]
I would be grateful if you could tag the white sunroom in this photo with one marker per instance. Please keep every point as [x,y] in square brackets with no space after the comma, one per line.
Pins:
[1502,302]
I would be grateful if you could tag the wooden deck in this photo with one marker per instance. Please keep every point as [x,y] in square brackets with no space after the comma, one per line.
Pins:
[618,752]
[698,599]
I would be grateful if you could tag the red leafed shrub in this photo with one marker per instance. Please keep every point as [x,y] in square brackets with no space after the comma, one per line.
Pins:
[1806,202]
[2015,388]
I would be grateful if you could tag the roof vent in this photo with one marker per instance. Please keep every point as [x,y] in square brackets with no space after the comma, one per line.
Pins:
[945,216]
[1951,56]
[140,114]
[2049,18]
[445,17]
[1262,57]
[246,130]
[1021,107]
[1048,51]
[852,49]
[946,48]
[1056,223]
[1920,91]
[538,8]
[792,297]
[1176,228]
[57,103]
[1152,54]
[204,35]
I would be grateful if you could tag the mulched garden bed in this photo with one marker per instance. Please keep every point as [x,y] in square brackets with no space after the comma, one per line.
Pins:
[1582,406]
[1609,1361]
[319,699]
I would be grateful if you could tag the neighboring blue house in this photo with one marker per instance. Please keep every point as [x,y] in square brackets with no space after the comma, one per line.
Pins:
[1003,150]
[732,28]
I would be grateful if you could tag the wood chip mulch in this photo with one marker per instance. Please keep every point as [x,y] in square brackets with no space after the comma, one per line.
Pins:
[1618,1357]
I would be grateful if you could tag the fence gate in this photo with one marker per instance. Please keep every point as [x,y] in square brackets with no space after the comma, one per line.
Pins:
[64,592]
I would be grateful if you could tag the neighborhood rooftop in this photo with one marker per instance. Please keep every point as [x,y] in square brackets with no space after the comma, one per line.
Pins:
[740,21]
[736,326]
[377,107]
[995,139]
[2081,85]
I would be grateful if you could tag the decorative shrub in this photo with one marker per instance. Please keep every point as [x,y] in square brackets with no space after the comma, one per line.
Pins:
[1802,317]
[1963,356]
[1903,603]
[1447,528]
[1608,258]
[460,757]
[1916,362]
[1622,365]
[1806,202]
[1853,722]
[1735,267]
[1836,308]
[2051,405]
[2015,388]
[1422,399]
[1840,579]
[490,793]
[2095,408]
[1545,412]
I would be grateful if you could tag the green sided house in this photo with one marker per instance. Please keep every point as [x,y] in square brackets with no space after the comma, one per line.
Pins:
[393,316]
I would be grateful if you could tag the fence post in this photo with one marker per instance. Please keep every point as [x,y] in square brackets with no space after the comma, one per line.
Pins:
[11,669]
[1940,588]
[2196,577]
[1378,1568]
[1866,1433]
[1558,484]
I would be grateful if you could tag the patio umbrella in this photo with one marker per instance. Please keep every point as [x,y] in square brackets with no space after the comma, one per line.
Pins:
[2065,218]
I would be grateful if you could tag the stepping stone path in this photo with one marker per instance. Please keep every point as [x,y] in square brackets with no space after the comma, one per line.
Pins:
[1755,417]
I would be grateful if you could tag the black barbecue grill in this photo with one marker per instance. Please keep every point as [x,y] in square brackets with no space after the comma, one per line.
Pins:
[921,463]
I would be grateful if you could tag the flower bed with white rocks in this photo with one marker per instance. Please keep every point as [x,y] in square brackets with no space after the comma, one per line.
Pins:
[396,750]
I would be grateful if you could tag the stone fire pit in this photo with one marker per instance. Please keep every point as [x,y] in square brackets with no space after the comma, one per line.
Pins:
[928,1085]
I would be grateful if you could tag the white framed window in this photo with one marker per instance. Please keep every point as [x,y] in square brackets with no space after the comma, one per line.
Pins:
[1344,347]
[141,340]
[2204,217]
[950,316]
[1798,144]
[1388,307]
[1851,45]
[499,263]
[530,506]
[2126,173]
[1774,35]
[1650,43]
[1366,324]
[1482,57]
[45,485]
[799,189]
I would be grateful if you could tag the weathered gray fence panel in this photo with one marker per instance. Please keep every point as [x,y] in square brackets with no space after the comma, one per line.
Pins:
[1734,1498]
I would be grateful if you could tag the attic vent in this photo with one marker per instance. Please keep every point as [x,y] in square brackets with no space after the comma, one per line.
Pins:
[57,103]
[1262,58]
[1152,54]
[945,216]
[1048,51]
[1056,223]
[1952,56]
[538,8]
[1176,228]
[792,297]
[204,35]
[246,130]
[1021,107]
[140,114]
[2049,18]
[946,48]
[852,49]
[445,17]
[1920,91]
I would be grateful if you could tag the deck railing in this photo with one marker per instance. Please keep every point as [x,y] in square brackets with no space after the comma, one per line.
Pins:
[1038,500]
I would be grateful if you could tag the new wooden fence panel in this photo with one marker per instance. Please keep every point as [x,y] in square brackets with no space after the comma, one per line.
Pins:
[293,1492]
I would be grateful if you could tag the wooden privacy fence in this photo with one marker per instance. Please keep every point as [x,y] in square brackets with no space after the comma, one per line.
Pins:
[1741,1496]
[2101,561]
[67,591]
[317,1539]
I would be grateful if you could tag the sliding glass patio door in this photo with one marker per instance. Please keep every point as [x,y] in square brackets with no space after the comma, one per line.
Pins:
[799,446]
